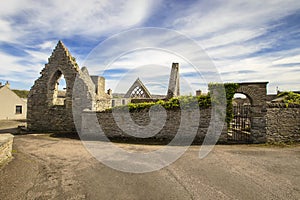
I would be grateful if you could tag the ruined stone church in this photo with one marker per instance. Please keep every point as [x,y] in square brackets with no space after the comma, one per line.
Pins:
[50,109]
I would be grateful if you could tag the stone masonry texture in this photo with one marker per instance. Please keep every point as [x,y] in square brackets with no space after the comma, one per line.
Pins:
[85,97]
[283,123]
[44,113]
[6,141]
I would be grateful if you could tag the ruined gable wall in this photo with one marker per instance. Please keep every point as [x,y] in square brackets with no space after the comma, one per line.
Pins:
[43,114]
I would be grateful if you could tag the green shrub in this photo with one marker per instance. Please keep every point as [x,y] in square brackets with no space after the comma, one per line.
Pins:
[190,102]
[185,102]
[290,98]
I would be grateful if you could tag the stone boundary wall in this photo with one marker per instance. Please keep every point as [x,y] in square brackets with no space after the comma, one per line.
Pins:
[283,123]
[6,141]
[167,133]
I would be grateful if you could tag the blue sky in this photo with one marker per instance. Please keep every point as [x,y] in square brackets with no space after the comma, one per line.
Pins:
[245,40]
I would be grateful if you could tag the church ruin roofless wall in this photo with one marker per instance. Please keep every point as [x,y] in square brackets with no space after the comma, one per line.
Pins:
[47,111]
[52,110]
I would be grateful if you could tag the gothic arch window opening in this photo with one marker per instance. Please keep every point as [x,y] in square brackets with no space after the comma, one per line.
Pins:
[58,89]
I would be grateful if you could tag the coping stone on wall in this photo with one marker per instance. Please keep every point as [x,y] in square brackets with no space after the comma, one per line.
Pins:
[6,141]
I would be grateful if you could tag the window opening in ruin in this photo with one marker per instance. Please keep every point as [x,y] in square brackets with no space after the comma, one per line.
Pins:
[113,103]
[138,93]
[59,89]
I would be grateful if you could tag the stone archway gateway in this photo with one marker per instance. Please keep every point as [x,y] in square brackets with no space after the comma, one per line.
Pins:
[255,114]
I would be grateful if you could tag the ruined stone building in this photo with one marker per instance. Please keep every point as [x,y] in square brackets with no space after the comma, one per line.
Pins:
[50,109]
[138,92]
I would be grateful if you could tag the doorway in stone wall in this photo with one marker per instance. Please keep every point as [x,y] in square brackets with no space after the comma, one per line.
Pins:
[239,129]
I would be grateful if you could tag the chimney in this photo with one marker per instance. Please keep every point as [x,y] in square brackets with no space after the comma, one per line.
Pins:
[198,92]
[109,92]
[7,84]
[174,84]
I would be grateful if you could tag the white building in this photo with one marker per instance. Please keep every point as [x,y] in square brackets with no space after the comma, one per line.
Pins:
[11,105]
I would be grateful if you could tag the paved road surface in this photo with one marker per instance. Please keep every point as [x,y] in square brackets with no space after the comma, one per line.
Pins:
[60,168]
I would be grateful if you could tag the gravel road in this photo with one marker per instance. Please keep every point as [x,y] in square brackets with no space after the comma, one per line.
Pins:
[44,167]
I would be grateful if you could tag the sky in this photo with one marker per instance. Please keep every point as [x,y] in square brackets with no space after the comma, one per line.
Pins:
[237,41]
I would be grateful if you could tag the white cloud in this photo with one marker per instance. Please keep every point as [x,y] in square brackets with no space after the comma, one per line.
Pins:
[38,56]
[231,32]
[6,33]
[18,69]
[267,67]
[288,60]
[70,18]
[205,18]
[35,27]
[9,63]
[225,29]
[233,36]
[47,45]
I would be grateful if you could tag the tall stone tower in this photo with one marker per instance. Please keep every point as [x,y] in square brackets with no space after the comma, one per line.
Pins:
[174,88]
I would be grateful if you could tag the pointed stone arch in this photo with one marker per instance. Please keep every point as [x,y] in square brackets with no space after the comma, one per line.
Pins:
[44,114]
[138,90]
[55,95]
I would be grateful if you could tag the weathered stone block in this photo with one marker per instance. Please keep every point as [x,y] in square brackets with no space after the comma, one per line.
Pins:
[6,141]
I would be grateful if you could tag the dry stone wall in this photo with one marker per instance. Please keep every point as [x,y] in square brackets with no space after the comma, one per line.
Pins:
[167,133]
[283,123]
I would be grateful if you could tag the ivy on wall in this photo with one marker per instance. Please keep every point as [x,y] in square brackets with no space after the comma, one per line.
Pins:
[190,102]
[230,90]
